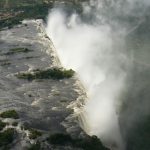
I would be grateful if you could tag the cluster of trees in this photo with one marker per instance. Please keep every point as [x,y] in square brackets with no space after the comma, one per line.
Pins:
[87,143]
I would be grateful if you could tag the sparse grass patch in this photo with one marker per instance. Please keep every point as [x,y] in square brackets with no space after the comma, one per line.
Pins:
[25,127]
[5,64]
[30,57]
[18,50]
[54,73]
[36,146]
[15,124]
[28,76]
[2,125]
[56,94]
[34,134]
[63,101]
[4,60]
[7,137]
[30,95]
[9,114]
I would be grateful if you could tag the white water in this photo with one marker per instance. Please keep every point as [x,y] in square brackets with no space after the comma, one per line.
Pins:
[97,52]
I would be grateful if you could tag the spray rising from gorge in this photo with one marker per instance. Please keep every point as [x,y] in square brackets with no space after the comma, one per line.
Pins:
[94,45]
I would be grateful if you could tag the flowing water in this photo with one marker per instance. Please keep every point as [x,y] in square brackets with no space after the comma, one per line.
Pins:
[108,46]
[42,104]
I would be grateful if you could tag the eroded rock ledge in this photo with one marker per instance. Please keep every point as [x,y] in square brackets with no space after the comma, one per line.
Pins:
[41,113]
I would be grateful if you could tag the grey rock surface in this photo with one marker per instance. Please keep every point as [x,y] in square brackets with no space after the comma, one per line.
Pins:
[46,105]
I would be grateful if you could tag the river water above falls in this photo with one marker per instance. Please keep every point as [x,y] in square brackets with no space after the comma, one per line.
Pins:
[42,104]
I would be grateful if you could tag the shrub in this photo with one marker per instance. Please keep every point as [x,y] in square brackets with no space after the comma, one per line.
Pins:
[54,73]
[9,114]
[6,137]
[2,125]
[34,133]
[36,146]
[18,50]
[15,124]
[5,64]
[28,76]
[59,139]
[87,143]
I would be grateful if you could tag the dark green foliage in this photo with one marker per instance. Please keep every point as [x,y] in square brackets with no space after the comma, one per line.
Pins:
[15,124]
[27,11]
[9,22]
[4,60]
[25,126]
[88,143]
[36,11]
[54,73]
[60,139]
[27,76]
[6,137]
[9,114]
[33,9]
[34,134]
[29,57]
[5,64]
[36,146]
[18,50]
[2,125]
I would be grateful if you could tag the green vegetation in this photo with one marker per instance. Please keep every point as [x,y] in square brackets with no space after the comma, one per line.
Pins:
[9,22]
[30,57]
[3,60]
[63,101]
[36,146]
[9,114]
[6,137]
[18,50]
[34,134]
[14,11]
[15,124]
[54,73]
[5,63]
[23,10]
[88,143]
[25,127]
[2,125]
[59,139]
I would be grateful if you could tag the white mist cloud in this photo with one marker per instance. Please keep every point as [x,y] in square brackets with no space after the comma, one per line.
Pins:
[97,52]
